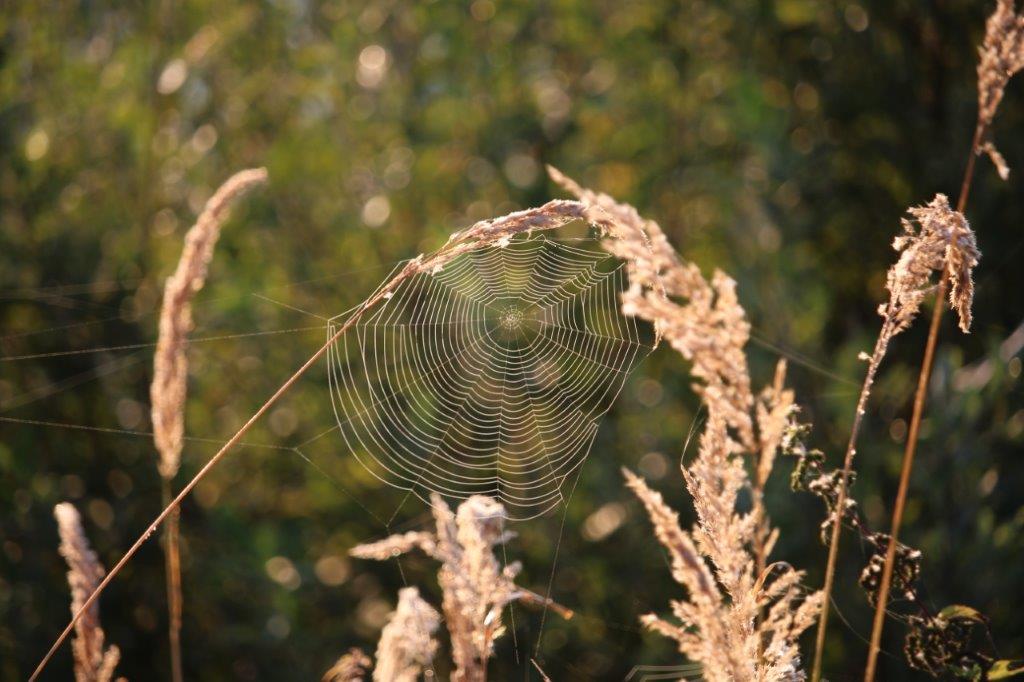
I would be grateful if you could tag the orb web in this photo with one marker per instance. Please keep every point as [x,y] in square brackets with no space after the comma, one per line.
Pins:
[490,376]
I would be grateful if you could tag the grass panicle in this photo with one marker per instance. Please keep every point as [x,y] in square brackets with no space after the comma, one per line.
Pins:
[170,373]
[170,365]
[407,645]
[743,618]
[350,667]
[476,587]
[93,661]
[701,320]
[1001,56]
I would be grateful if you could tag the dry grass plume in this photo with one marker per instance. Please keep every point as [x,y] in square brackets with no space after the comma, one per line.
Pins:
[170,372]
[93,662]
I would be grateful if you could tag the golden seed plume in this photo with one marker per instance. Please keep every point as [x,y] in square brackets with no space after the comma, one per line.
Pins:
[742,618]
[475,585]
[935,239]
[407,643]
[170,367]
[93,663]
[1002,56]
[350,667]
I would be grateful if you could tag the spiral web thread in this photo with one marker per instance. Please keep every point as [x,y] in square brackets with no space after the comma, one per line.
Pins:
[487,377]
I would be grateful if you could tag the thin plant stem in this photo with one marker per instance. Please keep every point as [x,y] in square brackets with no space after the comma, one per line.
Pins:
[168,389]
[901,495]
[837,524]
[548,216]
[175,503]
[915,429]
[172,561]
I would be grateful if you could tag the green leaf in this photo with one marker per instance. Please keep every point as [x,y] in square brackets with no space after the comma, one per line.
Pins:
[961,612]
[1004,669]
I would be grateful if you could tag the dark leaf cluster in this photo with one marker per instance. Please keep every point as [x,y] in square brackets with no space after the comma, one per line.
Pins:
[945,644]
[809,475]
[906,569]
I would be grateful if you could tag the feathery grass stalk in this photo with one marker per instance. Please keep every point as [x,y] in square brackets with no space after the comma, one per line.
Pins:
[407,645]
[915,427]
[735,622]
[772,410]
[1002,56]
[93,662]
[351,667]
[936,239]
[482,234]
[170,373]
[475,585]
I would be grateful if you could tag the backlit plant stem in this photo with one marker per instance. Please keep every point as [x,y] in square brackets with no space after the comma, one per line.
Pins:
[172,562]
[484,233]
[176,502]
[915,428]
[837,524]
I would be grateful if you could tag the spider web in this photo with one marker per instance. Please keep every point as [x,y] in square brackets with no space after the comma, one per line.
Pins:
[488,377]
[36,406]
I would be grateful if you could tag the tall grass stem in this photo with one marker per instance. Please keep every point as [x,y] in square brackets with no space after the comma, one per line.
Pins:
[915,429]
[176,502]
[837,523]
[172,561]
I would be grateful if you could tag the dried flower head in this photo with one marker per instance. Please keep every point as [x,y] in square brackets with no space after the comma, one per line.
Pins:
[170,367]
[935,239]
[350,667]
[476,587]
[1002,55]
[742,617]
[92,662]
[407,643]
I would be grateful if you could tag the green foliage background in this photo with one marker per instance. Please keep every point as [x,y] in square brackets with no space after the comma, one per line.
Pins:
[777,140]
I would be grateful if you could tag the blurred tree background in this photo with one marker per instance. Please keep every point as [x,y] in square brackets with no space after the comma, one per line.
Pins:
[779,140]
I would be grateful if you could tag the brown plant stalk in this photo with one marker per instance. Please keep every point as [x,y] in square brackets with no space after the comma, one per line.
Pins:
[936,239]
[851,449]
[1001,56]
[170,374]
[480,235]
[913,433]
